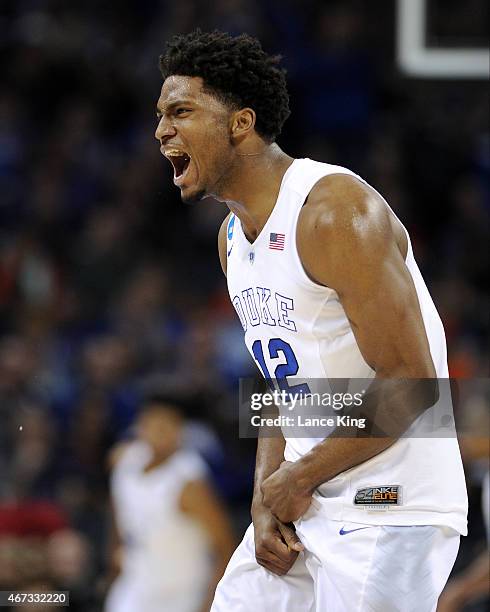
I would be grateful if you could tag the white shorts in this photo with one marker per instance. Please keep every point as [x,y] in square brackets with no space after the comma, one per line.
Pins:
[346,567]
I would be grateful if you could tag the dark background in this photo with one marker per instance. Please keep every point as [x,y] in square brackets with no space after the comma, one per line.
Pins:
[111,287]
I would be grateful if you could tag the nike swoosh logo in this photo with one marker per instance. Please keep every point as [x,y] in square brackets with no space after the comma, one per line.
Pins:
[344,532]
[228,254]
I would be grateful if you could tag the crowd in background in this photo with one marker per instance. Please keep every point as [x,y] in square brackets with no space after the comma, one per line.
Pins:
[110,287]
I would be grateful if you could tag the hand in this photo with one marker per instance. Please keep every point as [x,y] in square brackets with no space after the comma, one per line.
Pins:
[276,544]
[282,495]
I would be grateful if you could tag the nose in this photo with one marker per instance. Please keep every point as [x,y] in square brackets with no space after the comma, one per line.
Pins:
[164,130]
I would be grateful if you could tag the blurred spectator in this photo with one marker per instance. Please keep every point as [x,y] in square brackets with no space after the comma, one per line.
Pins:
[71,567]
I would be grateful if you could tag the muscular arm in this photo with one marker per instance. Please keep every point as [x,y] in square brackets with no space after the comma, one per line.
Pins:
[348,241]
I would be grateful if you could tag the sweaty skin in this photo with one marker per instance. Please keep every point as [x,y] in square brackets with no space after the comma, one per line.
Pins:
[347,240]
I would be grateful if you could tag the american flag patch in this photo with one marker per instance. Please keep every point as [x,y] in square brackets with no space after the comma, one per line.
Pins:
[276,241]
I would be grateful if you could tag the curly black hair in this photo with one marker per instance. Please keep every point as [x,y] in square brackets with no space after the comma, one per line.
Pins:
[236,70]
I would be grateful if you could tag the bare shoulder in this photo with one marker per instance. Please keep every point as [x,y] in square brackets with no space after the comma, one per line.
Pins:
[222,242]
[343,218]
[342,202]
[116,452]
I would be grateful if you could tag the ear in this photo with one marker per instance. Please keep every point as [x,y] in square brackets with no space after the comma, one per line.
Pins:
[242,122]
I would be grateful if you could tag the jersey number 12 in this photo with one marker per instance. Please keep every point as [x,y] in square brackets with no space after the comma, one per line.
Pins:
[279,348]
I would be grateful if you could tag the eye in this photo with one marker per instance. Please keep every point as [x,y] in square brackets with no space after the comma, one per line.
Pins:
[181,110]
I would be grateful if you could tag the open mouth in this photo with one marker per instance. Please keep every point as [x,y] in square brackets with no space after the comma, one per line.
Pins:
[179,160]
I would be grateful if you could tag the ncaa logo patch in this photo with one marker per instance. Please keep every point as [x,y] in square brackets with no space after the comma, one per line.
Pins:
[389,495]
[231,224]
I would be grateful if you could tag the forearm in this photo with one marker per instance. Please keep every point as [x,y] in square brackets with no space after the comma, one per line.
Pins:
[333,456]
[390,407]
[270,455]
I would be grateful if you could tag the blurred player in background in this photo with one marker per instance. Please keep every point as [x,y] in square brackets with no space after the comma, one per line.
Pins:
[172,538]
[323,278]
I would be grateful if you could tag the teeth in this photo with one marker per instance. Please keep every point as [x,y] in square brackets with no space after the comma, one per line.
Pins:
[175,153]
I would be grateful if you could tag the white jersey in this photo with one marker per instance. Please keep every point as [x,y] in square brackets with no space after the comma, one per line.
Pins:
[166,560]
[296,327]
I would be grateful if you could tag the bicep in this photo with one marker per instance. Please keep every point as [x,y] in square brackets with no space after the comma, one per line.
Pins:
[382,306]
[349,245]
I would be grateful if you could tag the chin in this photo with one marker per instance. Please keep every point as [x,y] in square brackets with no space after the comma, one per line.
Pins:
[192,196]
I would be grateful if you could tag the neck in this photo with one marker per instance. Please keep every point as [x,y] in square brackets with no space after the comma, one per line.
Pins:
[253,186]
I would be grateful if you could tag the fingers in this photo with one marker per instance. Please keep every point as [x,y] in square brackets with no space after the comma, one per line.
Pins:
[289,535]
[279,570]
[274,563]
[274,549]
[273,554]
[276,545]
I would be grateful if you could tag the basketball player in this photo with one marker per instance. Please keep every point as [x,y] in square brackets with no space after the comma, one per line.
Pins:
[324,281]
[168,523]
